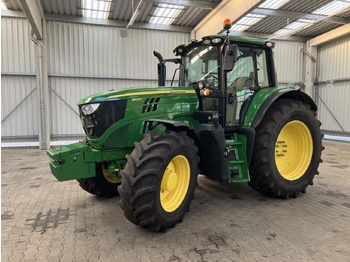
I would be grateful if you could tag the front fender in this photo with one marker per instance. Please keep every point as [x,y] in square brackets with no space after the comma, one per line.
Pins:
[169,124]
[263,99]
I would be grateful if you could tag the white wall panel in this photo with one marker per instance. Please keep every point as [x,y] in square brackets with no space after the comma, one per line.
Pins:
[334,59]
[92,50]
[139,47]
[334,97]
[100,51]
[18,106]
[334,106]
[77,51]
[289,61]
[17,50]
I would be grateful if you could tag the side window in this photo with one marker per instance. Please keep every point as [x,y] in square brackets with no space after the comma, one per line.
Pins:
[241,79]
[262,70]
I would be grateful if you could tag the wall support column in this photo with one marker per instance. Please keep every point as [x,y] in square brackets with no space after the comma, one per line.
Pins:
[310,70]
[36,18]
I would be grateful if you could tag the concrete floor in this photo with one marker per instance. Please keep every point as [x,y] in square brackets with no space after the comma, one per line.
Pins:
[46,220]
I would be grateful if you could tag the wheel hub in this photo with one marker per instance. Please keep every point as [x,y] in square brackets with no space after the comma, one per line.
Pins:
[175,183]
[109,177]
[169,181]
[293,150]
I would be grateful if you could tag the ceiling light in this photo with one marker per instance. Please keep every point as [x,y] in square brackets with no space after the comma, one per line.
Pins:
[247,21]
[273,4]
[332,7]
[166,14]
[3,6]
[96,9]
[295,26]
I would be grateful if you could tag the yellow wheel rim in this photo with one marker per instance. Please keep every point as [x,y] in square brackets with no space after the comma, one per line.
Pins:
[109,177]
[293,150]
[175,182]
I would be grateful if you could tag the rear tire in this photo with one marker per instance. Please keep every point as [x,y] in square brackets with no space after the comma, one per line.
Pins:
[287,150]
[103,184]
[159,180]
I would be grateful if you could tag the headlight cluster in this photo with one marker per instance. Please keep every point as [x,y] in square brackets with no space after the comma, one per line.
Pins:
[88,109]
[98,117]
[209,41]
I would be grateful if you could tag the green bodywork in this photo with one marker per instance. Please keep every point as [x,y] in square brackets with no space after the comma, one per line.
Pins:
[154,104]
[175,103]
[78,160]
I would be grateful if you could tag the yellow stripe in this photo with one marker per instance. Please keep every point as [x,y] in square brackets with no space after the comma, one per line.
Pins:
[142,93]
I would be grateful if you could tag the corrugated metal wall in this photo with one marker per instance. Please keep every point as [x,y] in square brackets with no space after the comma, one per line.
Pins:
[18,106]
[289,61]
[92,50]
[18,85]
[17,54]
[333,92]
[87,59]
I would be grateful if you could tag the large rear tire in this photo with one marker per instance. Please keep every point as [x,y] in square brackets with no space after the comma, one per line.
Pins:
[287,150]
[159,180]
[103,184]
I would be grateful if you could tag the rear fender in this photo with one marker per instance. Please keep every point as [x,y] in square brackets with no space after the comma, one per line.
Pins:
[263,100]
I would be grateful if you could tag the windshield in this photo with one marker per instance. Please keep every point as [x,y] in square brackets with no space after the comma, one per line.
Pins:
[202,63]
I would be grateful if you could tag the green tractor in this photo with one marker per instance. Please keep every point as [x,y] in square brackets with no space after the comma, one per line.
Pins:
[226,119]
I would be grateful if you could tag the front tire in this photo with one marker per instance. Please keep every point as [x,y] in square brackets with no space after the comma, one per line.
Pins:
[159,180]
[287,150]
[103,184]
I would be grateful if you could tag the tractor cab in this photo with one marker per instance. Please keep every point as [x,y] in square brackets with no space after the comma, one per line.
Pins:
[225,72]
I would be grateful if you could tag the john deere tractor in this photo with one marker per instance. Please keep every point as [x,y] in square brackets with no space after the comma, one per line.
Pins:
[226,119]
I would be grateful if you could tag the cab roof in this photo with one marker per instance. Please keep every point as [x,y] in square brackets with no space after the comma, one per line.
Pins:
[217,40]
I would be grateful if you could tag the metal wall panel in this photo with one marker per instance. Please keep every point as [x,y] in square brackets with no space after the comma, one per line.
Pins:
[17,50]
[111,58]
[18,93]
[333,94]
[92,50]
[18,106]
[333,101]
[86,59]
[289,61]
[334,59]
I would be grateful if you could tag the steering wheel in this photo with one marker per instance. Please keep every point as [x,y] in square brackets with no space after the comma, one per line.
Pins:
[212,80]
[211,76]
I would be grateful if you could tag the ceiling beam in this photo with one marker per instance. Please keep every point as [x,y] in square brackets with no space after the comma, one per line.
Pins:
[232,9]
[299,15]
[34,14]
[13,14]
[269,36]
[192,3]
[106,22]
[116,23]
[333,34]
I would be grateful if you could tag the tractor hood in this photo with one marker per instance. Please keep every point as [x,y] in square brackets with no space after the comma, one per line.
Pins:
[116,119]
[135,93]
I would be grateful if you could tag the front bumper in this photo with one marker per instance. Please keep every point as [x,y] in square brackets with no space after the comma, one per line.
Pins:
[68,162]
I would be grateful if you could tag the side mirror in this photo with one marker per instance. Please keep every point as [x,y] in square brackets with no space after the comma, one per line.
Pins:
[230,57]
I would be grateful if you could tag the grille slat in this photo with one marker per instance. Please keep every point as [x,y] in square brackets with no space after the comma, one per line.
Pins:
[150,104]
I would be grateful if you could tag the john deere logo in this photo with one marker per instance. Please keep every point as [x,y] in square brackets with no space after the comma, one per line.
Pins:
[177,92]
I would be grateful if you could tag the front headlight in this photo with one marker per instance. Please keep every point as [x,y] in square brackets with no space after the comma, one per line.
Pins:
[88,109]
